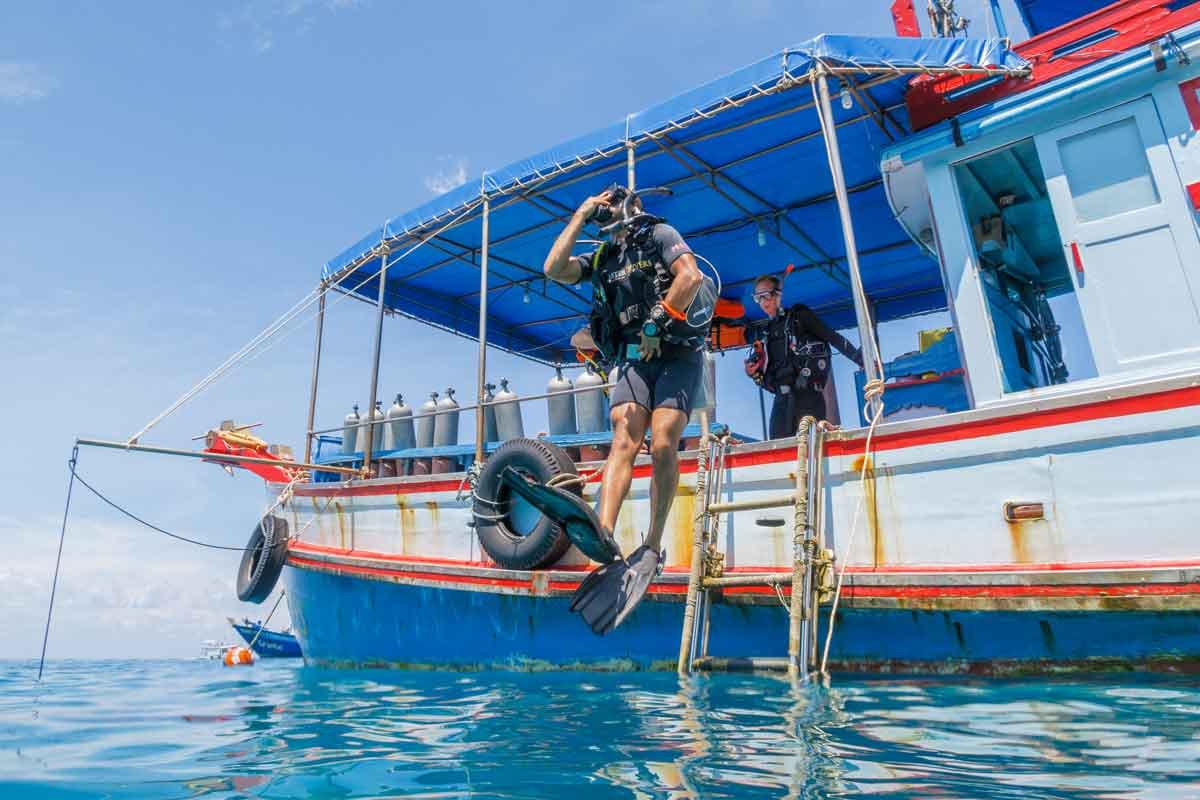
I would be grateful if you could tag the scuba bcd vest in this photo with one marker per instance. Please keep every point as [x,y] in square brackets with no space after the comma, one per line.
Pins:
[622,304]
[794,360]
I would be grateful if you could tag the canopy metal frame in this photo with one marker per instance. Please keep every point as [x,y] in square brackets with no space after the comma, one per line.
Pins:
[855,78]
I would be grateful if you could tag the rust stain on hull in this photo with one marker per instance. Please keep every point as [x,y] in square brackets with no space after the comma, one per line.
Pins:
[341,523]
[434,522]
[408,523]
[1017,533]
[682,522]
[866,468]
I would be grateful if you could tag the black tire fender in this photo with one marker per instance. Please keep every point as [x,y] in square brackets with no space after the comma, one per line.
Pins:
[544,542]
[263,559]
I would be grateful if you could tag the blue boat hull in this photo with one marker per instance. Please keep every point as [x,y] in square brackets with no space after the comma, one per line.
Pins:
[269,644]
[345,620]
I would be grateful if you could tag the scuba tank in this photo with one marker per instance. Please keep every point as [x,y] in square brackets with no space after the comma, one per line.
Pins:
[490,433]
[350,433]
[425,421]
[445,426]
[376,429]
[560,405]
[399,426]
[508,414]
[590,408]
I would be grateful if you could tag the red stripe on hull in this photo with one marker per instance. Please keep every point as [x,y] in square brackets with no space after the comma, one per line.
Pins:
[850,591]
[916,569]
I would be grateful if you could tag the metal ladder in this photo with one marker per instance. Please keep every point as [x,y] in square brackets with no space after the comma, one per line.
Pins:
[811,564]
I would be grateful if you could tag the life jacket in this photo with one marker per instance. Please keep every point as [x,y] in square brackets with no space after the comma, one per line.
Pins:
[619,310]
[794,360]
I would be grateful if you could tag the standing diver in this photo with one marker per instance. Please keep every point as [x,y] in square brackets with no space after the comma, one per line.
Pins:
[651,311]
[791,359]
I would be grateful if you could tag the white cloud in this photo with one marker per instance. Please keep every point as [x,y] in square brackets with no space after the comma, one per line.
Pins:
[23,81]
[451,174]
[123,591]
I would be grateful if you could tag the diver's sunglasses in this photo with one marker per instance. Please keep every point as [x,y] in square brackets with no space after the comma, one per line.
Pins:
[760,296]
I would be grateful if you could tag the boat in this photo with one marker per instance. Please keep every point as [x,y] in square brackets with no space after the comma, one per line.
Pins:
[1017,495]
[265,642]
[212,650]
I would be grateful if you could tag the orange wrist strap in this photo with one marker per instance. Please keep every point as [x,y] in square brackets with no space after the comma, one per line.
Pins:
[671,312]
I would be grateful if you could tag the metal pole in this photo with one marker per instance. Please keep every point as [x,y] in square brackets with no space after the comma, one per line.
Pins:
[797,612]
[998,16]
[762,410]
[370,429]
[866,330]
[480,432]
[695,575]
[316,371]
[225,458]
[630,160]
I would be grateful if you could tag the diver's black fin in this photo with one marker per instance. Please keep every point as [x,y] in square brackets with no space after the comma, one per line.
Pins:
[576,517]
[610,593]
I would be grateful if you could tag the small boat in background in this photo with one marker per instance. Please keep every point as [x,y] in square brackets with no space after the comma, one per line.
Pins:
[268,643]
[212,650]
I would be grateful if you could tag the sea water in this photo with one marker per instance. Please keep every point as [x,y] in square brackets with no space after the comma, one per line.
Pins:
[197,729]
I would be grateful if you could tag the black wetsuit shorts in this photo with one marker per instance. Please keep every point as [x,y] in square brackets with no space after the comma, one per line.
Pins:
[669,381]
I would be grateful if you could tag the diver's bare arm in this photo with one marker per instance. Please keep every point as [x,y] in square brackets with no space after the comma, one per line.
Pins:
[559,266]
[686,284]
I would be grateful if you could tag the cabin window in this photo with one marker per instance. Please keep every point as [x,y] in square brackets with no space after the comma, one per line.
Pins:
[1101,185]
[1036,323]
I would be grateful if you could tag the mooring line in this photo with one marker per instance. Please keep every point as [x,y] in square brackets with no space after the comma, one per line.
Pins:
[58,561]
[262,626]
[136,518]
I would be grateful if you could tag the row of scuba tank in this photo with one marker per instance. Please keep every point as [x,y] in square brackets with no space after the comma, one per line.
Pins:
[435,423]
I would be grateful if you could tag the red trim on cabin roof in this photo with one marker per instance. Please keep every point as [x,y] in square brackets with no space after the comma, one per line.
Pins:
[1134,23]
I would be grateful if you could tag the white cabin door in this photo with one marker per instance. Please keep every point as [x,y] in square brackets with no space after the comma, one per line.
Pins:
[1131,244]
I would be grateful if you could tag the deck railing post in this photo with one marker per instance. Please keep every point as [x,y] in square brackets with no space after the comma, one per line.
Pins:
[699,527]
[316,371]
[630,161]
[374,393]
[480,430]
[862,314]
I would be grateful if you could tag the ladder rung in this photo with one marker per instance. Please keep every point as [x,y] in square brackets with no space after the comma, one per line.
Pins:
[764,579]
[751,664]
[752,505]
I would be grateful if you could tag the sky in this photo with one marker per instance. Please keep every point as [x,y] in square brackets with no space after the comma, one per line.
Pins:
[172,177]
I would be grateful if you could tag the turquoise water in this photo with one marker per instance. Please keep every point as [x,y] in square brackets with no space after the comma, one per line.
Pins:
[196,729]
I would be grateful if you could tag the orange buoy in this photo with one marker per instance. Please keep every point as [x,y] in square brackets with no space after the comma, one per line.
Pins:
[238,656]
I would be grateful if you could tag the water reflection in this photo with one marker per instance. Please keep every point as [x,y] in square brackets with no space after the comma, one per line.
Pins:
[172,730]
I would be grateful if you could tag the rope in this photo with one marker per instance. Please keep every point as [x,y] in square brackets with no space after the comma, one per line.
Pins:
[873,390]
[262,626]
[135,518]
[58,560]
[274,328]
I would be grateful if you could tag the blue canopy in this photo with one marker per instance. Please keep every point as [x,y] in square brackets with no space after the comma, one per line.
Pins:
[752,192]
[1042,15]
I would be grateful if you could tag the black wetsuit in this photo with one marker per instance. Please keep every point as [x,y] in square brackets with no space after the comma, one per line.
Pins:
[797,345]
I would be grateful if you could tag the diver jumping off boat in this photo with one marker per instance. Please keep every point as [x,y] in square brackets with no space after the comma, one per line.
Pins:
[650,316]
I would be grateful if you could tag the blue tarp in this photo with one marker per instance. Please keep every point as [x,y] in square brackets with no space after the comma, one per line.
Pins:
[752,193]
[1042,15]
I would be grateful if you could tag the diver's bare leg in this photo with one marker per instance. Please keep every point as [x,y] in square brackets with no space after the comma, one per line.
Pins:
[629,422]
[666,426]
